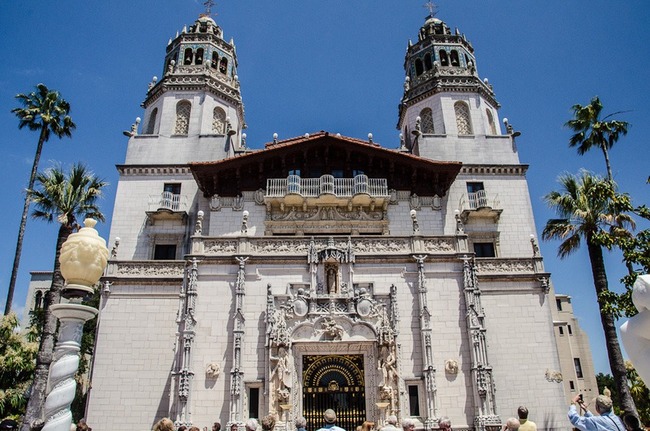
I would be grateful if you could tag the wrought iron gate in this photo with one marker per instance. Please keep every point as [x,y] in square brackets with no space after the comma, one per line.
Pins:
[334,382]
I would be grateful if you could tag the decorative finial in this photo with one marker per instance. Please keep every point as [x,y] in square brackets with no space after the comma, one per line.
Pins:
[208,6]
[433,9]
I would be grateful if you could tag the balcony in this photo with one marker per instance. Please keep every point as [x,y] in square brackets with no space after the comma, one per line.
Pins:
[479,204]
[167,206]
[327,190]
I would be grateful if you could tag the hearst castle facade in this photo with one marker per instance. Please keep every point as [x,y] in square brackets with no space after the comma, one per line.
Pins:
[324,271]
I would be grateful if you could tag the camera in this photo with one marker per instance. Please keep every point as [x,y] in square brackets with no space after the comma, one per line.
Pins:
[580,398]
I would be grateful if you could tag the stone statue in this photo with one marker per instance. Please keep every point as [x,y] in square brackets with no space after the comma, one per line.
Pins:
[213,370]
[635,333]
[332,329]
[451,366]
[332,281]
[387,364]
[281,373]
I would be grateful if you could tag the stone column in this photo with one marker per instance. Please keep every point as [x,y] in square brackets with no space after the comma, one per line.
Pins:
[429,368]
[236,373]
[484,399]
[83,259]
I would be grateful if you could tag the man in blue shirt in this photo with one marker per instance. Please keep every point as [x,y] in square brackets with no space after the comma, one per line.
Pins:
[607,421]
[330,419]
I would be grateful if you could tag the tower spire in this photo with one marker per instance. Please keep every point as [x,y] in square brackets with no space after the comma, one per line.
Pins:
[433,8]
[208,7]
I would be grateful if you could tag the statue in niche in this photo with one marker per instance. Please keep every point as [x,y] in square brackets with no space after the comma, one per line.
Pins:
[281,373]
[387,365]
[332,280]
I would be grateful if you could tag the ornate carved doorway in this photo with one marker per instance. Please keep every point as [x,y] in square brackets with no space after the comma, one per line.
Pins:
[334,382]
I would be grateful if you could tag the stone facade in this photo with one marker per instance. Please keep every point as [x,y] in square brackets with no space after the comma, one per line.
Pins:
[323,269]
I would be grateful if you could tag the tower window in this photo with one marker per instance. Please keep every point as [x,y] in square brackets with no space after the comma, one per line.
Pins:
[418,67]
[198,60]
[426,115]
[463,122]
[569,329]
[572,385]
[454,58]
[491,126]
[444,60]
[560,330]
[189,55]
[428,64]
[164,252]
[223,65]
[558,302]
[183,109]
[38,300]
[484,249]
[151,124]
[219,121]
[414,401]
[578,365]
[215,60]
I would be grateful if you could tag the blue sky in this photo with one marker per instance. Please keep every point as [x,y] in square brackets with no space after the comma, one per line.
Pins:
[333,65]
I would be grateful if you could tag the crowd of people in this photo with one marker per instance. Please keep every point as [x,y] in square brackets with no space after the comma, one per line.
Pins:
[583,420]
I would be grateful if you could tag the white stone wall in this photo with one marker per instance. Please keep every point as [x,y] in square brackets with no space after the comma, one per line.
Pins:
[129,220]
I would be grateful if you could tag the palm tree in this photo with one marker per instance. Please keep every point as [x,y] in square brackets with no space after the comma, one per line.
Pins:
[63,198]
[593,131]
[587,207]
[47,111]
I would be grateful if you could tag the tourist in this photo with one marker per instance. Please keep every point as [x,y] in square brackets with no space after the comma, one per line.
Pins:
[164,424]
[444,423]
[606,421]
[632,422]
[391,423]
[512,424]
[216,426]
[251,425]
[525,424]
[268,423]
[330,419]
[234,426]
[301,424]
[367,426]
[408,424]
[195,429]
[182,428]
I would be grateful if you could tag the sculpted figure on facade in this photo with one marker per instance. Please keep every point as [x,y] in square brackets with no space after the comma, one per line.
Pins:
[281,373]
[332,329]
[388,365]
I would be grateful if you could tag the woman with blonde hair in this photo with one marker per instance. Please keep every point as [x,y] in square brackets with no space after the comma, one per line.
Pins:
[164,424]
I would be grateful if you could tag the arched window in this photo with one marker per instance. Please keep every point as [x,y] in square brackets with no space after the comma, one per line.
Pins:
[491,126]
[151,124]
[183,109]
[444,60]
[219,121]
[428,64]
[187,58]
[418,67]
[463,122]
[223,65]
[426,115]
[198,60]
[38,300]
[215,60]
[454,58]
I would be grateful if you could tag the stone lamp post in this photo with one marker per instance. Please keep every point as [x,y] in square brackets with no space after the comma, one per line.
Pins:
[83,259]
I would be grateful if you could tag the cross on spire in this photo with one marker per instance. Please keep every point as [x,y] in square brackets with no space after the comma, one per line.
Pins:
[208,5]
[433,8]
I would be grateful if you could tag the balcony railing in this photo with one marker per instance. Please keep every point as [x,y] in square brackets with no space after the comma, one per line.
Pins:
[167,201]
[478,199]
[326,184]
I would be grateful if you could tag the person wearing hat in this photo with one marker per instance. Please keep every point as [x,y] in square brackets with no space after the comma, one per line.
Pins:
[8,424]
[330,420]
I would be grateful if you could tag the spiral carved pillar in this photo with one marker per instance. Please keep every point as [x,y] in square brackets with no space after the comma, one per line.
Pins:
[61,383]
[83,259]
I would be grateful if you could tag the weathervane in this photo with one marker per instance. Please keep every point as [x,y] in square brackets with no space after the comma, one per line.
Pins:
[208,5]
[433,9]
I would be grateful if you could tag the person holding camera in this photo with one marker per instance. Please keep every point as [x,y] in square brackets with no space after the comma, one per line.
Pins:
[606,421]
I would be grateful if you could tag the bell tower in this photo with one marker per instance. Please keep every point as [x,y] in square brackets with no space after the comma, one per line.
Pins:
[194,112]
[446,108]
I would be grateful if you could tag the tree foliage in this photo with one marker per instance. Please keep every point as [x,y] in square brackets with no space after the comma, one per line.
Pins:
[17,360]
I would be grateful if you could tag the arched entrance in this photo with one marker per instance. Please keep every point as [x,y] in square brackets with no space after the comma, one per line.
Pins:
[334,382]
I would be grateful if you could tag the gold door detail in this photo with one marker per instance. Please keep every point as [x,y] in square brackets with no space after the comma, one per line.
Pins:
[334,382]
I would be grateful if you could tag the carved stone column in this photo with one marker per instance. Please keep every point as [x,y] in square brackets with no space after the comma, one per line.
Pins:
[187,323]
[429,369]
[236,373]
[484,399]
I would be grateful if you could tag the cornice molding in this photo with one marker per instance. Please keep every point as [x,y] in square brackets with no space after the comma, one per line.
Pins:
[515,170]
[126,170]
